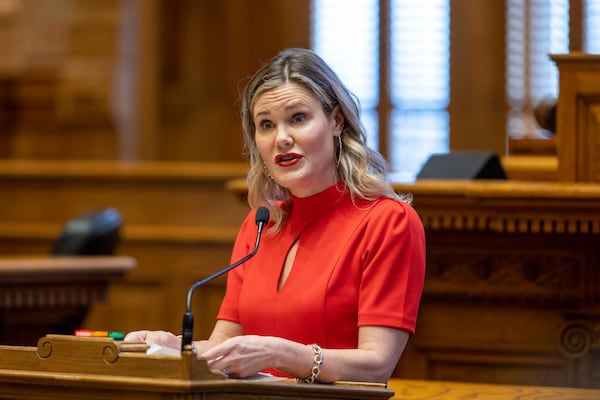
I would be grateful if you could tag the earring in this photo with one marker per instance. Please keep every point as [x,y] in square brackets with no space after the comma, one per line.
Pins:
[339,152]
[266,170]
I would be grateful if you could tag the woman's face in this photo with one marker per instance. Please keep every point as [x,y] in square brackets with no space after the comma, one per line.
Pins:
[296,139]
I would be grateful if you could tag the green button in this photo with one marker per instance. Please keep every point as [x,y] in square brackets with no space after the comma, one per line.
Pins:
[116,335]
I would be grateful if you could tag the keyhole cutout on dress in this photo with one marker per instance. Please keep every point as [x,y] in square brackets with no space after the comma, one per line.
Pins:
[287,265]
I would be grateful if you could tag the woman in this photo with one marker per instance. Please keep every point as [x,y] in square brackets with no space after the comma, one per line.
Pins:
[334,290]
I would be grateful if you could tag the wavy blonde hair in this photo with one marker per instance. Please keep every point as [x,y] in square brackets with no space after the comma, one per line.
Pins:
[363,170]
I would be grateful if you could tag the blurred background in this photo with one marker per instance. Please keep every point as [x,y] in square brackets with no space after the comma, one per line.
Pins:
[159,80]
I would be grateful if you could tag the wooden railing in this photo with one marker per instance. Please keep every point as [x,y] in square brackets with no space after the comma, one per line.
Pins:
[40,295]
[179,223]
[511,293]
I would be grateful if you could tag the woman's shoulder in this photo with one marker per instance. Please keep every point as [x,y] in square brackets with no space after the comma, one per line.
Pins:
[386,204]
[391,211]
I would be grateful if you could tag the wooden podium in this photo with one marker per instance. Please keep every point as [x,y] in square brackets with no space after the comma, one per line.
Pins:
[70,367]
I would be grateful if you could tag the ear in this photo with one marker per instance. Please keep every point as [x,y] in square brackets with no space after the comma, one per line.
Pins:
[338,120]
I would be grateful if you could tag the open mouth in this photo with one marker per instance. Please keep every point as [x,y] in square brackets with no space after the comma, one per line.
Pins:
[287,159]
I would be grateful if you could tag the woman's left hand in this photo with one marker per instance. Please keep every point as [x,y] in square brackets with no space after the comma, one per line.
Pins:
[241,356]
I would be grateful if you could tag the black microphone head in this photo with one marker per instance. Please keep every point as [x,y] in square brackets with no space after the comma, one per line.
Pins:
[262,215]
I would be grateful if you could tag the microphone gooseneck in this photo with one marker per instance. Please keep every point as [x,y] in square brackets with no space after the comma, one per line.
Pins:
[187,334]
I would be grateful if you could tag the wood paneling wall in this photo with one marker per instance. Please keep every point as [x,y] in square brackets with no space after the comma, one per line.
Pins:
[209,49]
[160,79]
[140,80]
[477,68]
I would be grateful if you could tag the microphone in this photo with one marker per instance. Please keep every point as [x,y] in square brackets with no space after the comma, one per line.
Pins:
[262,218]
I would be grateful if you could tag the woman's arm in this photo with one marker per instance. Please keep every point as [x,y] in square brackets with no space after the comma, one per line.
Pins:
[379,349]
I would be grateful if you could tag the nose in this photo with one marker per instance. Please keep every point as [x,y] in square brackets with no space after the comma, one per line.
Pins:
[283,140]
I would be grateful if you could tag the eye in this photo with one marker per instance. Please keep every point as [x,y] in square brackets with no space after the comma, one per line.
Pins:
[265,125]
[299,117]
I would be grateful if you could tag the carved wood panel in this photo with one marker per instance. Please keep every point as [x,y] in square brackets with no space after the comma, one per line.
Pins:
[512,289]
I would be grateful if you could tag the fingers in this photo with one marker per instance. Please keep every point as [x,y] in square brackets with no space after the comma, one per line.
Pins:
[212,355]
[136,336]
[217,362]
[231,358]
[214,364]
[162,338]
[225,372]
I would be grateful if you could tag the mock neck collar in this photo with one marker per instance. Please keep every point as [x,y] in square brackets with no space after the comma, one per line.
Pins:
[305,209]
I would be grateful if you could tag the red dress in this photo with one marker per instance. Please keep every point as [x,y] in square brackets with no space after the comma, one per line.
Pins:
[356,265]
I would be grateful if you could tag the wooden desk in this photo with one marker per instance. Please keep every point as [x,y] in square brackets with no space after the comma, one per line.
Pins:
[102,368]
[439,390]
[68,367]
[40,295]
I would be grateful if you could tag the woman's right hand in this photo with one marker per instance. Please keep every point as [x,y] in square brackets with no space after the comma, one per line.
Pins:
[161,338]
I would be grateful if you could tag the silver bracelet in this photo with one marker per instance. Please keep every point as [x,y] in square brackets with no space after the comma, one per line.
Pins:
[317,362]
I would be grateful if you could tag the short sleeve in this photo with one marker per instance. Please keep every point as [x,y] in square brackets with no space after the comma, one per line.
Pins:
[393,267]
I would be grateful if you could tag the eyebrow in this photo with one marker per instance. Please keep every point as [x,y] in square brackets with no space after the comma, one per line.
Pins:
[291,106]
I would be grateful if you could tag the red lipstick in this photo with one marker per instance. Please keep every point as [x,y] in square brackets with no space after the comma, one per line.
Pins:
[287,159]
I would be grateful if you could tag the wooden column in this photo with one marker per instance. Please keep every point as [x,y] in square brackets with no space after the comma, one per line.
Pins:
[578,117]
[477,67]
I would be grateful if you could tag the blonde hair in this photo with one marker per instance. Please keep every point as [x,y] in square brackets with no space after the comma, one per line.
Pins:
[363,170]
